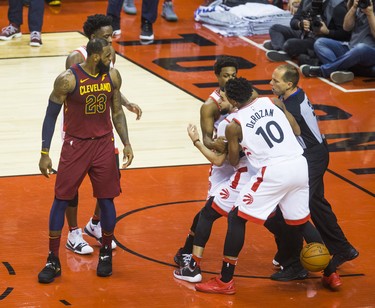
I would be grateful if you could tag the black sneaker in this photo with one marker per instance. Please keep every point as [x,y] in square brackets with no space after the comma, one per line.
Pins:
[277,55]
[104,268]
[292,272]
[182,259]
[268,45]
[340,258]
[147,34]
[311,71]
[188,274]
[51,270]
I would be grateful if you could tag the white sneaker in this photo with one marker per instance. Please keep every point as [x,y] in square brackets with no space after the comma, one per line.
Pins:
[95,231]
[77,244]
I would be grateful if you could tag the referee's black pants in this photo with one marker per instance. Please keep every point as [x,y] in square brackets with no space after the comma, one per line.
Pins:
[322,215]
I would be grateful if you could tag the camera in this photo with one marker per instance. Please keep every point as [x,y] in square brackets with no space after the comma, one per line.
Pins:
[363,4]
[314,15]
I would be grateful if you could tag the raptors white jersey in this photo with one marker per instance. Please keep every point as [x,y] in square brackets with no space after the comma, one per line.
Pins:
[218,174]
[227,191]
[267,135]
[215,95]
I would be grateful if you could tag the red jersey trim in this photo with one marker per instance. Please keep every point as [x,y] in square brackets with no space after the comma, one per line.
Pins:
[218,209]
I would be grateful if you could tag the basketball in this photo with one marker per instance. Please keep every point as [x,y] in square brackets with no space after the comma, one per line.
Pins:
[315,257]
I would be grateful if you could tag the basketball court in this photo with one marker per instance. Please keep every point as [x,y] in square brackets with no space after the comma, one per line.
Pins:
[166,184]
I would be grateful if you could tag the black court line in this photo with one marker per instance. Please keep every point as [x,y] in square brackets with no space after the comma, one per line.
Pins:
[351,183]
[10,269]
[133,252]
[5,293]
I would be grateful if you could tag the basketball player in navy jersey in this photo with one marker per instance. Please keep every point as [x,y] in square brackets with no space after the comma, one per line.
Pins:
[285,85]
[96,26]
[90,93]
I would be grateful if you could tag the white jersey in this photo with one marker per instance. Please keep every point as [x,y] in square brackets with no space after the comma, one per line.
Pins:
[268,137]
[282,177]
[227,191]
[218,174]
[215,95]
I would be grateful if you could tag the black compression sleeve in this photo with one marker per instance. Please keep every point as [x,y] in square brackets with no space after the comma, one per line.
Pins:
[53,110]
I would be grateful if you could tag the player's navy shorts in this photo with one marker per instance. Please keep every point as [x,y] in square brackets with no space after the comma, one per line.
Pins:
[95,157]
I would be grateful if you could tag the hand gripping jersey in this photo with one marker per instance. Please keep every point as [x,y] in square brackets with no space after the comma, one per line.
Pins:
[87,108]
[267,135]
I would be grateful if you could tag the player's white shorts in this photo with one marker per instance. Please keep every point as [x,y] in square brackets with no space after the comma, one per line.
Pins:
[227,192]
[218,175]
[284,184]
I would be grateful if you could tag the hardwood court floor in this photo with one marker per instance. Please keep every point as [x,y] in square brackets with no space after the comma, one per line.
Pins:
[167,183]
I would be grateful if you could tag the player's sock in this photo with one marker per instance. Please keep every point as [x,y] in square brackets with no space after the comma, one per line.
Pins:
[227,270]
[54,244]
[107,239]
[95,219]
[72,228]
[195,261]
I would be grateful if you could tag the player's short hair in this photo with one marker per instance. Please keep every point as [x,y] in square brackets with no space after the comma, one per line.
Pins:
[239,89]
[96,45]
[94,23]
[224,61]
[291,73]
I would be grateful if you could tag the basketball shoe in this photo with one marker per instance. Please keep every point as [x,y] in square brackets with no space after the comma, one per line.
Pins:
[77,244]
[51,270]
[168,12]
[95,231]
[35,39]
[10,32]
[291,272]
[188,274]
[147,34]
[342,257]
[182,259]
[129,7]
[104,268]
[215,285]
[332,281]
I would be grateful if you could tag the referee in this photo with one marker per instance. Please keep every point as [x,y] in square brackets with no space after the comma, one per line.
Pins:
[284,84]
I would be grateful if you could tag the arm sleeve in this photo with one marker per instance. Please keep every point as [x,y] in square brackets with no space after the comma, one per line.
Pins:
[53,110]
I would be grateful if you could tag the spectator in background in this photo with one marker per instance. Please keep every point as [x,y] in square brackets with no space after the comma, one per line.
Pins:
[168,12]
[313,19]
[341,60]
[15,17]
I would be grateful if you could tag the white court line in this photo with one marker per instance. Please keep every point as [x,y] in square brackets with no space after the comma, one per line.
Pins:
[260,46]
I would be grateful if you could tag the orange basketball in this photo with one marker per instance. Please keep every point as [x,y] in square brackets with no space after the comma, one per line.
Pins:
[315,257]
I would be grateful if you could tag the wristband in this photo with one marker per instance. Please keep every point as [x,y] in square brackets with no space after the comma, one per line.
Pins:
[44,152]
[195,141]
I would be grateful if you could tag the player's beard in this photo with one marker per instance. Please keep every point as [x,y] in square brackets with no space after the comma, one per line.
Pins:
[102,67]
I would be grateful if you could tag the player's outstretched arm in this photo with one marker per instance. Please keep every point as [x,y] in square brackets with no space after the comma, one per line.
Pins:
[213,157]
[119,118]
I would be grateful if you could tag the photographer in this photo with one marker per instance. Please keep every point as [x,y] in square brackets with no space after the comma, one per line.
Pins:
[313,19]
[341,61]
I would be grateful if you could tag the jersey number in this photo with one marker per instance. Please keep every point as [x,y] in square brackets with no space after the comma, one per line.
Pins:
[269,135]
[96,104]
